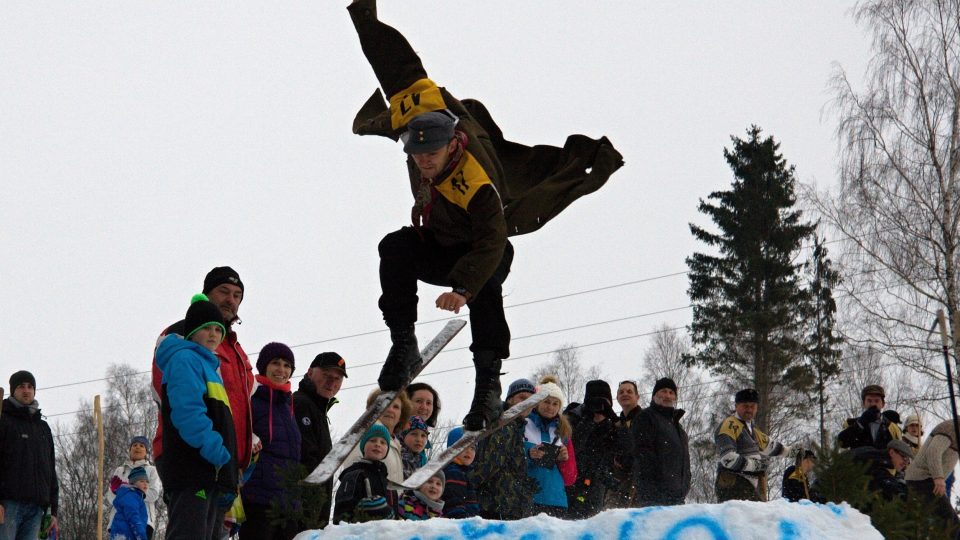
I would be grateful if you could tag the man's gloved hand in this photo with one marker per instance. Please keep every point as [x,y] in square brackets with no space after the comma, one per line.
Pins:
[755,464]
[869,416]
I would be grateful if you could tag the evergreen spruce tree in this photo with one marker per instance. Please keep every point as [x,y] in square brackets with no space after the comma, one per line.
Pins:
[823,343]
[749,307]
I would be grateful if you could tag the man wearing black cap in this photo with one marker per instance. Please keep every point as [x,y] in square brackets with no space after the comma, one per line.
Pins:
[872,428]
[223,288]
[311,403]
[661,467]
[28,476]
[742,452]
[472,189]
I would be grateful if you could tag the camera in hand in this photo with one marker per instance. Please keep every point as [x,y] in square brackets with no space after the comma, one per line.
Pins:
[549,458]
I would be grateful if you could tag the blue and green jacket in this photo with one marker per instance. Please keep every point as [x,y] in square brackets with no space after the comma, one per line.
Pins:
[199,441]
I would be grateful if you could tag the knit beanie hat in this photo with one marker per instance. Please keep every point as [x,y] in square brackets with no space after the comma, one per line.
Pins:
[271,351]
[520,385]
[665,382]
[439,474]
[137,473]
[549,385]
[21,377]
[141,440]
[219,276]
[376,430]
[415,423]
[454,435]
[913,419]
[747,395]
[201,313]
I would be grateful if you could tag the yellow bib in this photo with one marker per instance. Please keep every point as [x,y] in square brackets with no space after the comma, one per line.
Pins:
[420,97]
[460,187]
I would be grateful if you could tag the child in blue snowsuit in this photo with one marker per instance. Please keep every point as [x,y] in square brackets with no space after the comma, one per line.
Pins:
[130,521]
[460,493]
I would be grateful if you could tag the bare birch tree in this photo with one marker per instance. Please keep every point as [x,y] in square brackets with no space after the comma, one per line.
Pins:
[897,203]
[571,374]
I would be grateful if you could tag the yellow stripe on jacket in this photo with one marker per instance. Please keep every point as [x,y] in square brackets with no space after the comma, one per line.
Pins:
[218,392]
[463,183]
[420,97]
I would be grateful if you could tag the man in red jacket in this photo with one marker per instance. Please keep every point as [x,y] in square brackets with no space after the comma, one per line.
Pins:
[224,288]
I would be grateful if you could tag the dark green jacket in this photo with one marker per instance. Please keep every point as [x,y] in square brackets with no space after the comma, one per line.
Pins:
[533,183]
[504,490]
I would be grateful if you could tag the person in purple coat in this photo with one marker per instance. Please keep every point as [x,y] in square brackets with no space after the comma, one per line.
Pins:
[274,424]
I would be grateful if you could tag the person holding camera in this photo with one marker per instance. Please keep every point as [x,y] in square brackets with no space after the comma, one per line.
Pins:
[597,438]
[551,458]
[661,467]
[872,428]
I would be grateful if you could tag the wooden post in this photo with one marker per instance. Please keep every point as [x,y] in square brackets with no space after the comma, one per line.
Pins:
[98,418]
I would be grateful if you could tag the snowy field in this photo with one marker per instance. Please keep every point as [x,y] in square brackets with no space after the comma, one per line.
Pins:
[738,520]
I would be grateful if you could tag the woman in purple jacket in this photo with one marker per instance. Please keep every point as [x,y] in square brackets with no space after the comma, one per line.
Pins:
[275,426]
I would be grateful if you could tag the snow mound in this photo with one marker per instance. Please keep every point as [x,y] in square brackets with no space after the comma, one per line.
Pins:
[735,520]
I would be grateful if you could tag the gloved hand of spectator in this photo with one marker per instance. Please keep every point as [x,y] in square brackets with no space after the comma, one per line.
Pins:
[869,416]
[115,483]
[375,507]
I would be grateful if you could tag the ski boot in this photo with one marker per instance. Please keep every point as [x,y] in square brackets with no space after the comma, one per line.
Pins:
[402,360]
[486,407]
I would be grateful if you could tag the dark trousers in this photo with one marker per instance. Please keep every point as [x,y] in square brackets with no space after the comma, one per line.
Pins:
[192,516]
[939,506]
[406,258]
[259,525]
[733,487]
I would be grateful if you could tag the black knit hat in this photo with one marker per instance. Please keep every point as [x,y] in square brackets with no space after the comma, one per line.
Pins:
[201,313]
[273,350]
[665,382]
[219,276]
[21,377]
[520,385]
[747,395]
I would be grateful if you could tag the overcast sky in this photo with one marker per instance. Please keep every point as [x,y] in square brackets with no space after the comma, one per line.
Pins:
[143,143]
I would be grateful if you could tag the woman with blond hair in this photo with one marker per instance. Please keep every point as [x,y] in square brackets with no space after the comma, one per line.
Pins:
[395,419]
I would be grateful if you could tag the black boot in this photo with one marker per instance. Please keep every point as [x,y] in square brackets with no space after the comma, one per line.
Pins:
[402,360]
[486,406]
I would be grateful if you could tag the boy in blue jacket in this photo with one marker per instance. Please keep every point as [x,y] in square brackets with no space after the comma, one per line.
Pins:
[460,493]
[198,466]
[130,521]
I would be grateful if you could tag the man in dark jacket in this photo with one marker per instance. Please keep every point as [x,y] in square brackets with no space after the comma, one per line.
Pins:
[622,494]
[504,489]
[311,403]
[597,439]
[662,458]
[883,466]
[28,476]
[472,189]
[872,428]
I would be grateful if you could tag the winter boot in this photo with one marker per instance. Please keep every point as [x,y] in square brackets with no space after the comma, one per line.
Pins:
[486,406]
[402,360]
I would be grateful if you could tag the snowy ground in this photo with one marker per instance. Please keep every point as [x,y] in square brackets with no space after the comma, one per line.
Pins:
[739,520]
